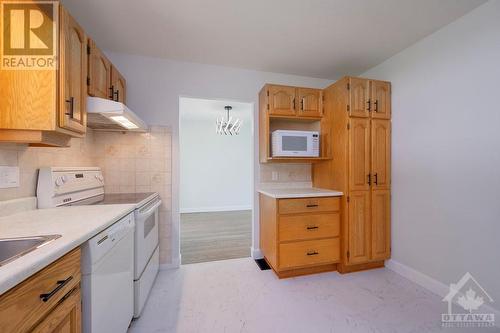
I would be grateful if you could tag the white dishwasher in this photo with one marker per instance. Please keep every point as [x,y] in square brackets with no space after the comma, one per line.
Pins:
[108,277]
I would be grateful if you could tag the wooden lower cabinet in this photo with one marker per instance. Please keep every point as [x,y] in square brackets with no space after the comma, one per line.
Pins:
[66,317]
[358,227]
[300,236]
[381,224]
[48,301]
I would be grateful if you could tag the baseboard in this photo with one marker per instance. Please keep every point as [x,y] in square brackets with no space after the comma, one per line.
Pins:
[215,209]
[431,284]
[176,263]
[256,253]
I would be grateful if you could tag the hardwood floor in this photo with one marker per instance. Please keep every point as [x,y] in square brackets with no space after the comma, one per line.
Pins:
[215,236]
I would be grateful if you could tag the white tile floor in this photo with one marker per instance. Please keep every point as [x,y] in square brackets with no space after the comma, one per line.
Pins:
[235,296]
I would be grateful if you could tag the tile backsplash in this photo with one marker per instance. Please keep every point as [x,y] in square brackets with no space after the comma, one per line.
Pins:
[285,172]
[131,162]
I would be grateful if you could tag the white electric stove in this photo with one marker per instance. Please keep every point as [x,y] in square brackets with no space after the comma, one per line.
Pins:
[85,186]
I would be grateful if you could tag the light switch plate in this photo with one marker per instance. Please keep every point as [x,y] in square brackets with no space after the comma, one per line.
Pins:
[274,175]
[9,177]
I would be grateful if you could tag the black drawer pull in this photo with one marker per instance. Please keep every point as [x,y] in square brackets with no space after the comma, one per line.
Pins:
[312,227]
[60,285]
[112,92]
[312,253]
[312,205]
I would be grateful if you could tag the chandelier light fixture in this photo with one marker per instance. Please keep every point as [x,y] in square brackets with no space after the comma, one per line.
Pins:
[229,126]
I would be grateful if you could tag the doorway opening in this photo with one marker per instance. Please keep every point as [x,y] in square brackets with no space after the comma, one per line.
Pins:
[216,179]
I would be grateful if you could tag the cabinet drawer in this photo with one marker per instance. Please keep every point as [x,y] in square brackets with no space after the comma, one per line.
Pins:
[306,205]
[22,307]
[308,253]
[310,226]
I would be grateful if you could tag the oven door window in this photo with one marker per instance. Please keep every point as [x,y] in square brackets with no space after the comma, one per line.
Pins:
[149,224]
[294,143]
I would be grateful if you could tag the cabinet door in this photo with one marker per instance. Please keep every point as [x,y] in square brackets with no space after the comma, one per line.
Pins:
[281,100]
[359,227]
[310,102]
[99,73]
[65,318]
[118,86]
[381,224]
[359,97]
[381,153]
[359,154]
[73,74]
[381,100]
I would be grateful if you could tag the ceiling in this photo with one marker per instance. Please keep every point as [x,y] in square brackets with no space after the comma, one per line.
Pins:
[316,38]
[192,109]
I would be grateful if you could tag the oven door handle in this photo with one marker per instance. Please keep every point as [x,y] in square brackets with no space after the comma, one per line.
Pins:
[145,214]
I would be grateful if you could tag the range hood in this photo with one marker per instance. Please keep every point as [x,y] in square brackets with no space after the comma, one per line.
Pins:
[107,115]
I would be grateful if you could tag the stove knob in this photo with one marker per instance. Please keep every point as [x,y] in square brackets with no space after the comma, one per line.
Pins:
[59,181]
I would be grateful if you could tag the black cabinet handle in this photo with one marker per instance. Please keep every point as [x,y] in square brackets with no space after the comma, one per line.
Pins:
[376,179]
[302,104]
[369,102]
[312,253]
[60,285]
[293,103]
[111,92]
[312,227]
[312,205]
[117,95]
[376,105]
[369,178]
[71,102]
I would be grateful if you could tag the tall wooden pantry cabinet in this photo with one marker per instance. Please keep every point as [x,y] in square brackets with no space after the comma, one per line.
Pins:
[359,111]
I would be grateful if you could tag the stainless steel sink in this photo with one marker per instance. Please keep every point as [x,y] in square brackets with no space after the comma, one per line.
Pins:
[13,248]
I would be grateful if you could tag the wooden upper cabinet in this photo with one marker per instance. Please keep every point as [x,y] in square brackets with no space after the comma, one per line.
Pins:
[73,75]
[99,72]
[359,97]
[381,153]
[380,224]
[359,227]
[118,86]
[359,154]
[309,102]
[281,100]
[380,97]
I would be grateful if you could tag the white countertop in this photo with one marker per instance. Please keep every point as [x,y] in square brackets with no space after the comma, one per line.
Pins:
[75,224]
[282,193]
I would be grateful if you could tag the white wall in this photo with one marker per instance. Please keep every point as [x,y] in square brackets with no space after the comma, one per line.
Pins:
[216,170]
[154,86]
[446,150]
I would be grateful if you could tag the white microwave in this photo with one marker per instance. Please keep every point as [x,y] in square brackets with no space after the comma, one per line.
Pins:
[287,143]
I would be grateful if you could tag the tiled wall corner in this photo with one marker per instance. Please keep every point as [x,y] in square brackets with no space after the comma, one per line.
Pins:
[140,162]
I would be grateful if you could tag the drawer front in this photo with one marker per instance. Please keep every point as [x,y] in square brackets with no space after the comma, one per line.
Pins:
[307,253]
[22,307]
[310,226]
[308,205]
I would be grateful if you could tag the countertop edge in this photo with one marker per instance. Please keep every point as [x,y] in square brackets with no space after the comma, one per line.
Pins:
[301,195]
[20,275]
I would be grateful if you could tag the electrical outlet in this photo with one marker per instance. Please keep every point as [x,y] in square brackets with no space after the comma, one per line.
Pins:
[274,175]
[9,177]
